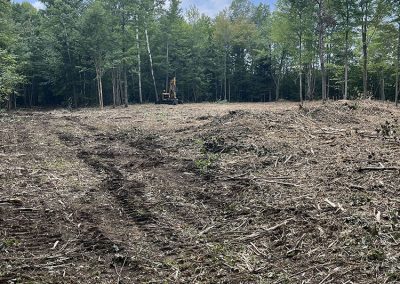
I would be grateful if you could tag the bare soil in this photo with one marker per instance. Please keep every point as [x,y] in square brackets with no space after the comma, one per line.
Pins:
[208,193]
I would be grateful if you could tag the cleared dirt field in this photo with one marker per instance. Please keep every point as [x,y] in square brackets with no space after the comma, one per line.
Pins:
[208,193]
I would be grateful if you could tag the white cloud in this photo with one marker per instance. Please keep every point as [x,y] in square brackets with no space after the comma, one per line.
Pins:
[38,5]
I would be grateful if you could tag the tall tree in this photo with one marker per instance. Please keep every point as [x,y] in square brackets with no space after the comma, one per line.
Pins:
[223,36]
[62,18]
[96,41]
[9,73]
[139,63]
[345,16]
[321,42]
[396,6]
[301,13]
[372,13]
[281,45]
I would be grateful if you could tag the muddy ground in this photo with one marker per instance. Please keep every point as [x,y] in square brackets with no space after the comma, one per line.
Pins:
[208,193]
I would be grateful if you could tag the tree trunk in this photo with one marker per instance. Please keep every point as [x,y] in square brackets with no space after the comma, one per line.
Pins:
[216,89]
[9,98]
[101,92]
[125,88]
[383,89]
[118,87]
[365,49]
[301,61]
[167,76]
[222,90]
[151,64]
[84,84]
[328,81]
[31,93]
[229,92]
[225,75]
[114,87]
[25,96]
[133,83]
[81,85]
[346,68]
[322,47]
[74,95]
[346,63]
[139,62]
[277,88]
[309,82]
[277,78]
[301,71]
[99,86]
[124,68]
[398,67]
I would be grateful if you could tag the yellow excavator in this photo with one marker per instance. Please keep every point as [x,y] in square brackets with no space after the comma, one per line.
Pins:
[169,97]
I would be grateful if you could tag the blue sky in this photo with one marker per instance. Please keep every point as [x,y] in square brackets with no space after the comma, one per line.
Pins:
[212,7]
[209,7]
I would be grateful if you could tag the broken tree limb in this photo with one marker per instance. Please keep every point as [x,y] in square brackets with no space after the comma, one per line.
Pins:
[16,202]
[374,169]
[264,231]
[279,182]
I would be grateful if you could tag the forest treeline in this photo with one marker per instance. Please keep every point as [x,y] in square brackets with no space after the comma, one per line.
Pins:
[92,52]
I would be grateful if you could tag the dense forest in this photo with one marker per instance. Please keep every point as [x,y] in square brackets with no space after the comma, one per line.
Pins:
[84,53]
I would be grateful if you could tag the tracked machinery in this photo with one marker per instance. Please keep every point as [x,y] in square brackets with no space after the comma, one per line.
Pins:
[169,97]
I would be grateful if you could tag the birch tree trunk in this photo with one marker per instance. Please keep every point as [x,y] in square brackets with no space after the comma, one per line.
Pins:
[139,61]
[99,85]
[151,63]
[74,97]
[101,92]
[277,78]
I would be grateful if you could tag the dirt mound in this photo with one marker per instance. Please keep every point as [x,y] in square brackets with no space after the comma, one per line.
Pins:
[345,113]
